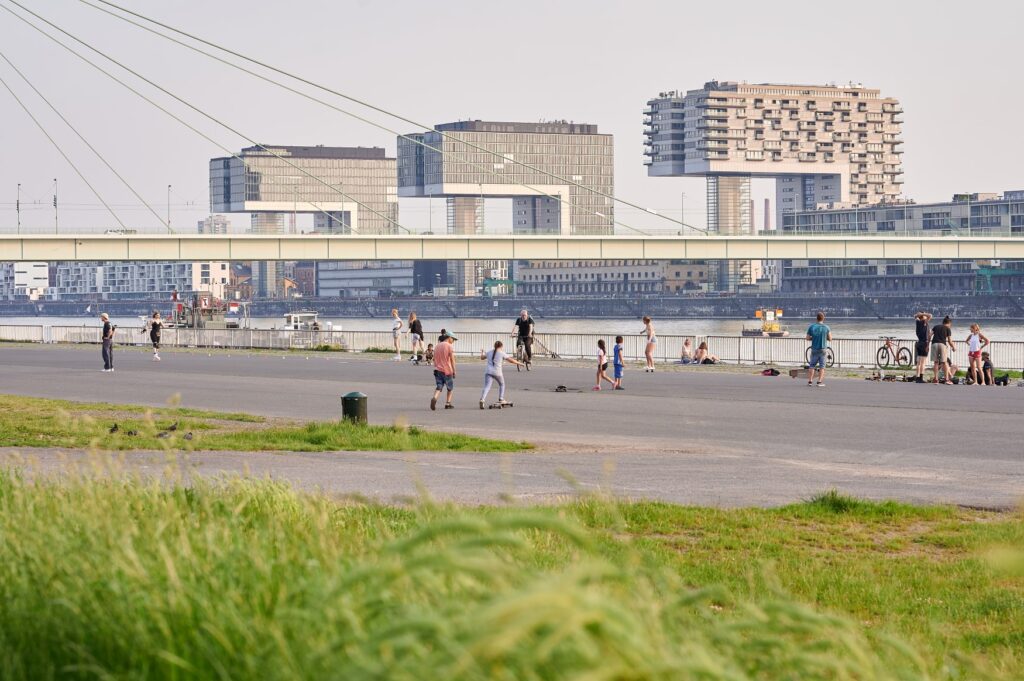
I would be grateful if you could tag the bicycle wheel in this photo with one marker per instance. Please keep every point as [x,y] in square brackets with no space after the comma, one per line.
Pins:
[883,358]
[830,357]
[903,357]
[807,357]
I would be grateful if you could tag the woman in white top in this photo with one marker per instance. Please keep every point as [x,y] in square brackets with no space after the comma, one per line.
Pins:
[396,330]
[493,374]
[652,340]
[976,342]
[686,355]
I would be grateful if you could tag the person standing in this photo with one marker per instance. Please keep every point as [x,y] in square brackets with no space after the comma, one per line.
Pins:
[444,370]
[819,334]
[396,333]
[942,345]
[495,358]
[523,332]
[107,339]
[416,336]
[156,325]
[652,340]
[602,365]
[921,320]
[976,343]
[618,363]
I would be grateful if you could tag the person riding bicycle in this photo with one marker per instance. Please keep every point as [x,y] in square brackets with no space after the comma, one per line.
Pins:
[523,332]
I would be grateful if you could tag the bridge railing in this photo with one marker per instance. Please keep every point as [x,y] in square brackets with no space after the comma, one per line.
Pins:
[747,350]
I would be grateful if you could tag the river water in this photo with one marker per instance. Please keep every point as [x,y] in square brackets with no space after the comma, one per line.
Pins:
[996,331]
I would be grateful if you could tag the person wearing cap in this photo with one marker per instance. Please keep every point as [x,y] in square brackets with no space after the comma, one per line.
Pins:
[444,369]
[107,339]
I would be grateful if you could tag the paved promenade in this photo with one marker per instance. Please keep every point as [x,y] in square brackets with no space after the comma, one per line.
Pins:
[692,436]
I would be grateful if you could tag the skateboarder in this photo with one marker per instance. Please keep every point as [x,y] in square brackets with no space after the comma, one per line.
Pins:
[493,374]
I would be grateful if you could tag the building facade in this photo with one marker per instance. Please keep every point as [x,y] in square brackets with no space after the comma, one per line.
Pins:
[23,280]
[590,277]
[820,143]
[132,280]
[215,224]
[574,201]
[965,214]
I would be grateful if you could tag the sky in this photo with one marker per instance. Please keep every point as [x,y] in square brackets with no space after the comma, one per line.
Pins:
[954,67]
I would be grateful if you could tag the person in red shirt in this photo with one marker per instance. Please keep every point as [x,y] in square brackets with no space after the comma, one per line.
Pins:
[444,370]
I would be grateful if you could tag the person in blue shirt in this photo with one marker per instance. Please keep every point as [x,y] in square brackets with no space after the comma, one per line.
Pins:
[617,362]
[819,334]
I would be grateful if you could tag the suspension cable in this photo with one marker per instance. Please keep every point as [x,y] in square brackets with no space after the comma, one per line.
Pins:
[85,141]
[61,152]
[194,108]
[479,166]
[423,126]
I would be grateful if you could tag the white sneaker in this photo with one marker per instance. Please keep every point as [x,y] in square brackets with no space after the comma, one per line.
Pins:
[481,404]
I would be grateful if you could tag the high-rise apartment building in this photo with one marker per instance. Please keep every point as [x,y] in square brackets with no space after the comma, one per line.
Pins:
[215,224]
[820,143]
[574,201]
[132,280]
[23,280]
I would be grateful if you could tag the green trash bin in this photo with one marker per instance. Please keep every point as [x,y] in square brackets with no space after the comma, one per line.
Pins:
[353,407]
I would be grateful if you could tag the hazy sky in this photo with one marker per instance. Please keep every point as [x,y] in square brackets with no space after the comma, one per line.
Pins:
[954,66]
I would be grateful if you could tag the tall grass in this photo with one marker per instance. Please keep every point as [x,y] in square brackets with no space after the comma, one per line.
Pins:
[119,579]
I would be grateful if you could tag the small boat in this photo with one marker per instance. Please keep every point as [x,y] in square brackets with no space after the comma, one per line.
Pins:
[303,320]
[770,325]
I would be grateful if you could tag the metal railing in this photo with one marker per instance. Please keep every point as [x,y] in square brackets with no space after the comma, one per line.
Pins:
[749,350]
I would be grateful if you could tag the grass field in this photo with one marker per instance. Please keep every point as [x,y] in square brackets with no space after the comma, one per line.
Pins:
[36,422]
[120,579]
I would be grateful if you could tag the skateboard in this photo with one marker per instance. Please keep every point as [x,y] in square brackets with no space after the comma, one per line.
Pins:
[498,405]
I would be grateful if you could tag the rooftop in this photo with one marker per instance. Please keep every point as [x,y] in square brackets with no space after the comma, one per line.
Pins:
[556,127]
[318,151]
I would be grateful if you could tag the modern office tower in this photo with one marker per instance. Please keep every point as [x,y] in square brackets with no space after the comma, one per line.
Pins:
[132,280]
[431,164]
[820,143]
[964,214]
[215,224]
[347,189]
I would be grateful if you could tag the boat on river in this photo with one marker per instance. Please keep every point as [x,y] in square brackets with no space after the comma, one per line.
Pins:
[770,325]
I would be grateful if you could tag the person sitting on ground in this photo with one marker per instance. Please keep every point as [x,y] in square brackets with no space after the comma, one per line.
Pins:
[986,369]
[702,355]
[429,356]
[686,355]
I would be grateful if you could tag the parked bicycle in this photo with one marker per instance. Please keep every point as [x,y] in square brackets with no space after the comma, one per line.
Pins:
[830,357]
[892,354]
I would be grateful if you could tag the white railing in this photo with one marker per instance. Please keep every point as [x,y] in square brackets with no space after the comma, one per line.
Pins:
[790,350]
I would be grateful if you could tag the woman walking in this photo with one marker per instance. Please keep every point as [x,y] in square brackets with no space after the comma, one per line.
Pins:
[156,325]
[493,373]
[602,365]
[396,332]
[976,343]
[652,340]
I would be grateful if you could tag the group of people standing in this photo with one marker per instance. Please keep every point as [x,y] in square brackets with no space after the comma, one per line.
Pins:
[936,342]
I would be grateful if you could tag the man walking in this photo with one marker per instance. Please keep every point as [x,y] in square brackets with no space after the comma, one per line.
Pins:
[921,320]
[523,332]
[819,334]
[942,345]
[107,338]
[444,370]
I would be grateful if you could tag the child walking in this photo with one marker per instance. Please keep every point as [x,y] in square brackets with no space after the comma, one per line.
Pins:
[602,365]
[617,363]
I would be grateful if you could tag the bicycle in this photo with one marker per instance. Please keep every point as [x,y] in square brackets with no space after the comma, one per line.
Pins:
[892,354]
[830,357]
[521,355]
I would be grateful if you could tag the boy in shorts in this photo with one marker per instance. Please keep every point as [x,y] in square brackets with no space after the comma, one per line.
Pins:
[617,363]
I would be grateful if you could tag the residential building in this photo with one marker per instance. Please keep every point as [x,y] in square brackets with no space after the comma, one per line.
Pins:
[964,214]
[820,143]
[23,280]
[347,189]
[215,224]
[590,277]
[132,280]
[565,191]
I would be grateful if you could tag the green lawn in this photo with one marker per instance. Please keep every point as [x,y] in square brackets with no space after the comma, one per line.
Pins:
[119,579]
[37,422]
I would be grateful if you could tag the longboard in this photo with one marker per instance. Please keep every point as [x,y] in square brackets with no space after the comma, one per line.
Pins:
[500,406]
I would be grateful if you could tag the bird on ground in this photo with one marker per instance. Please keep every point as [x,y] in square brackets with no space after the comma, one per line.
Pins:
[163,435]
[188,436]
[131,433]
[113,429]
[173,426]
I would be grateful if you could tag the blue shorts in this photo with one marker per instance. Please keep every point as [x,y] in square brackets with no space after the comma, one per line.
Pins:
[443,381]
[618,371]
[817,359]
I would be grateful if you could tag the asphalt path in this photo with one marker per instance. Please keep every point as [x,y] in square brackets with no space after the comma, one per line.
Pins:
[691,435]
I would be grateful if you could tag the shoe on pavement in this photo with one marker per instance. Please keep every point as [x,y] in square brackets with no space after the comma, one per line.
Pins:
[810,383]
[481,404]
[433,403]
[596,387]
[619,387]
[449,405]
[820,384]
